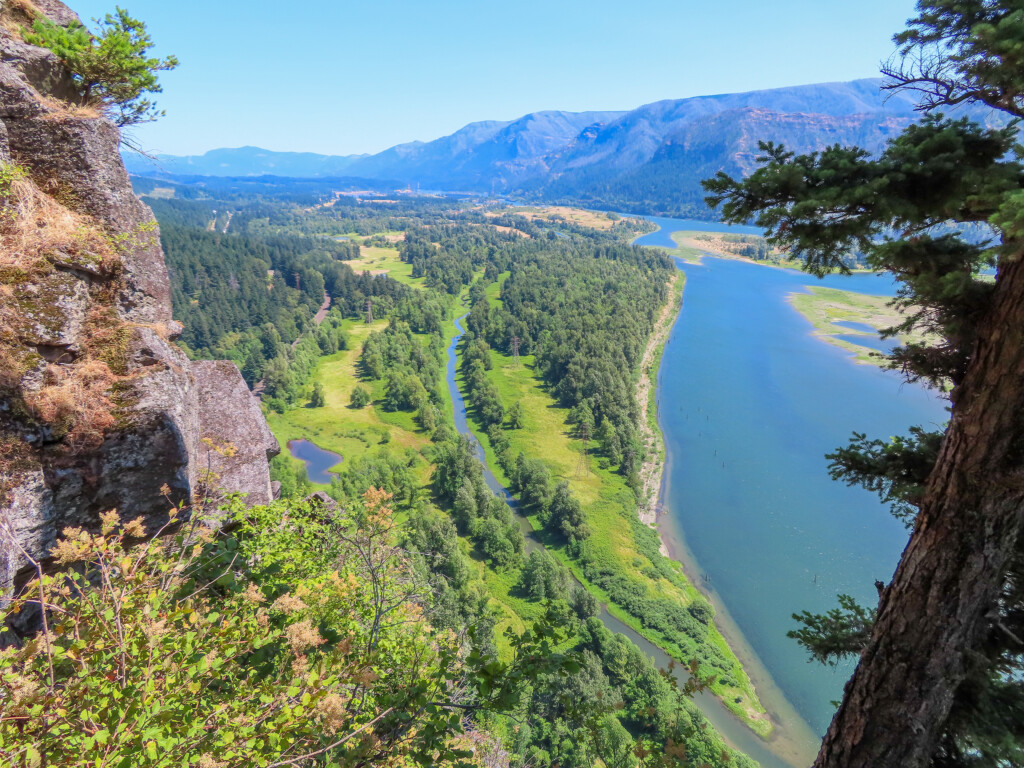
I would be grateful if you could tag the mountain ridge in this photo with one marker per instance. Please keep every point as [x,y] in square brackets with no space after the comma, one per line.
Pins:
[648,159]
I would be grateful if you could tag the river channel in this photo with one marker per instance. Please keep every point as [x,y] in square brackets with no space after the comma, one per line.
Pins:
[781,752]
[750,401]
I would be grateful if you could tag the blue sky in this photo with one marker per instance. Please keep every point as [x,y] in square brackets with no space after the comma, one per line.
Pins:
[352,76]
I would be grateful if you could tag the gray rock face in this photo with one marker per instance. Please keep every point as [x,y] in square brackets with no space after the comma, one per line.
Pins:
[235,439]
[166,421]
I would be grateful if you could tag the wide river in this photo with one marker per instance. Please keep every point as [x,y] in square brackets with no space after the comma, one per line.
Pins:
[789,748]
[749,403]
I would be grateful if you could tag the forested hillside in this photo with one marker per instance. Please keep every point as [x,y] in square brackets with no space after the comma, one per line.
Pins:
[578,303]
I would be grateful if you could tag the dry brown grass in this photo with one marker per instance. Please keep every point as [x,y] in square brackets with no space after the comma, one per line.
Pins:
[17,14]
[75,403]
[38,235]
[58,109]
[35,228]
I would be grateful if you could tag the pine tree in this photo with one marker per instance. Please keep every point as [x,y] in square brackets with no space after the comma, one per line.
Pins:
[112,67]
[318,399]
[940,675]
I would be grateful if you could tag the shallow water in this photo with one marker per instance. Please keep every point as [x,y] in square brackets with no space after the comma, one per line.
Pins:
[750,402]
[872,342]
[860,327]
[663,237]
[318,461]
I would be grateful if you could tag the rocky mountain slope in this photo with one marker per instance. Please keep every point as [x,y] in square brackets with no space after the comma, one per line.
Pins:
[98,409]
[648,159]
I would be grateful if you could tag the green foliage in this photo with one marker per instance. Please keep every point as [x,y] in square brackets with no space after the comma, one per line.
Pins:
[565,515]
[459,485]
[360,397]
[293,477]
[895,469]
[514,418]
[838,634]
[112,67]
[317,399]
[617,708]
[483,396]
[292,638]
[911,210]
[173,652]
[385,468]
[584,311]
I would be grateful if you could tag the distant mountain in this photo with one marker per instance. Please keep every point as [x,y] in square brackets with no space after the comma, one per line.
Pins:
[483,154]
[244,161]
[647,160]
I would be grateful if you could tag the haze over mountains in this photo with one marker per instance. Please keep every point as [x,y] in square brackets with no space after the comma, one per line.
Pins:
[647,160]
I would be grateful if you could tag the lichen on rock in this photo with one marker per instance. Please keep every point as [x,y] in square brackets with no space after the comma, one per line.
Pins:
[99,410]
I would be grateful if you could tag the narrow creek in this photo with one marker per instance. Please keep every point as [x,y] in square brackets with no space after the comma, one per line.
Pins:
[775,753]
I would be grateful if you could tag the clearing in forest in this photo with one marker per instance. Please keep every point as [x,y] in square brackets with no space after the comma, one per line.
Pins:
[619,542]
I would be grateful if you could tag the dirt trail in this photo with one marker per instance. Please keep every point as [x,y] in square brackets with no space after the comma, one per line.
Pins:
[653,468]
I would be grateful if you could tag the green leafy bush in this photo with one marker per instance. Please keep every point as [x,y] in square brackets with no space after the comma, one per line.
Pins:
[296,637]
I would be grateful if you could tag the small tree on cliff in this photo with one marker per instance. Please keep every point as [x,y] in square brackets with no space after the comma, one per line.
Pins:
[112,68]
[940,675]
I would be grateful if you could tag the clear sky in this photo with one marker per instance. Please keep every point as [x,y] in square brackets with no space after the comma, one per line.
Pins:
[353,76]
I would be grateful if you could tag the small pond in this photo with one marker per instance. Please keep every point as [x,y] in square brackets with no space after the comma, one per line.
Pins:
[318,461]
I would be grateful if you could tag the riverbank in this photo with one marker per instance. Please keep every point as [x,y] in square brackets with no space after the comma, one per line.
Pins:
[620,547]
[653,470]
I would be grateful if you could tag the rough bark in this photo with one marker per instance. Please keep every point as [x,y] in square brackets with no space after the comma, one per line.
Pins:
[948,580]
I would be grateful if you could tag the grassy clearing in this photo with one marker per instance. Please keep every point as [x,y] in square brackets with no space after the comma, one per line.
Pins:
[557,213]
[826,306]
[337,426]
[384,261]
[611,513]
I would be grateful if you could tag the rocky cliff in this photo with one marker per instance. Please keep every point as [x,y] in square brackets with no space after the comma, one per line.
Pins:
[99,410]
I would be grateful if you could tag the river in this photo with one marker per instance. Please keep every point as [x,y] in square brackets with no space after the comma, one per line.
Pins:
[782,752]
[749,403]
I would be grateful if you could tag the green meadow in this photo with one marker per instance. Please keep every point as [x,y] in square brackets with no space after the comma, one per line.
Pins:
[618,540]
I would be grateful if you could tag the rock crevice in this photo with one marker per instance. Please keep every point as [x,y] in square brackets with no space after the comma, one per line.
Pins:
[98,409]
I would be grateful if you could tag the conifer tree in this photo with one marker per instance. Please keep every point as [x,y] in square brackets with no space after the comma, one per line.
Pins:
[940,675]
[112,67]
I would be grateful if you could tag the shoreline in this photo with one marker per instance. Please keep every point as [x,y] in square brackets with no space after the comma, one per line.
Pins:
[652,472]
[791,737]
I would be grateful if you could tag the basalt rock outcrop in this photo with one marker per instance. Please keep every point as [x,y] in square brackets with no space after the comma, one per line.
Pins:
[99,410]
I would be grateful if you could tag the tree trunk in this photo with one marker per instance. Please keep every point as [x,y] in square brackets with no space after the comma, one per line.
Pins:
[934,612]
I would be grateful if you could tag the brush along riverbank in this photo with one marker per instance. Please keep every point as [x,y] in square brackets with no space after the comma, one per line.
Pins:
[621,562]
[652,471]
